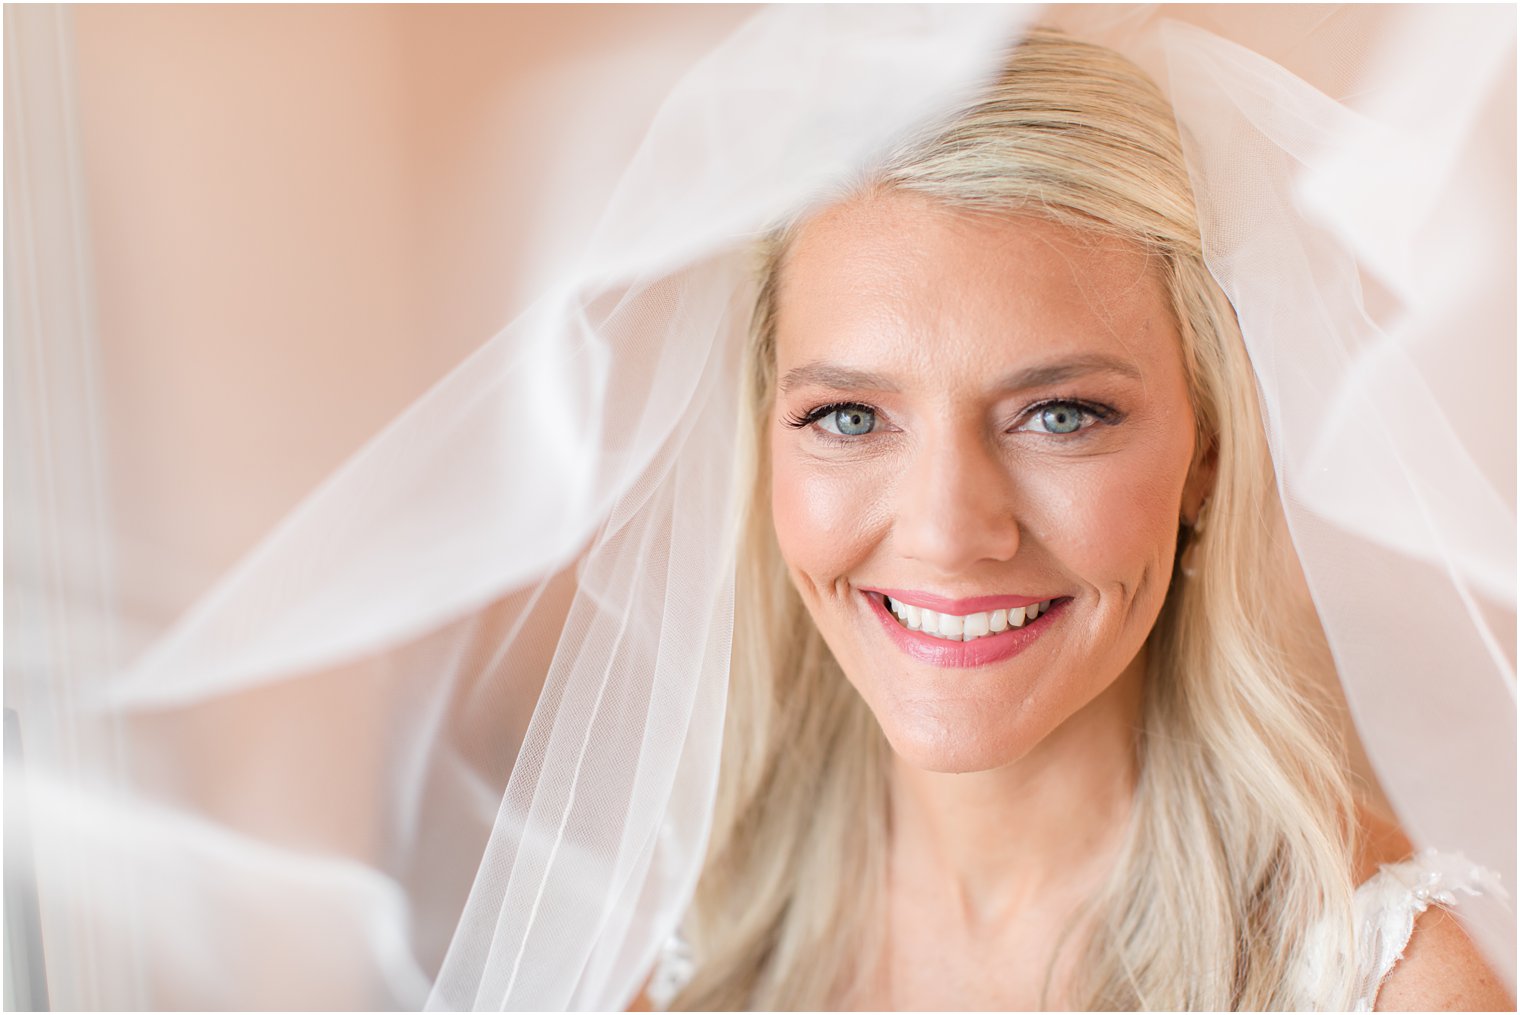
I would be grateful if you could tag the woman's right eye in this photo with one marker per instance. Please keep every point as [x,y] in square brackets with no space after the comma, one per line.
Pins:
[840,419]
[849,421]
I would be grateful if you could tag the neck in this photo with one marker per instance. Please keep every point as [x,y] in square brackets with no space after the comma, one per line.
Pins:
[1040,832]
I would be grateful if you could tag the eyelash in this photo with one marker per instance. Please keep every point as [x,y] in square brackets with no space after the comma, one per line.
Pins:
[814,415]
[1101,413]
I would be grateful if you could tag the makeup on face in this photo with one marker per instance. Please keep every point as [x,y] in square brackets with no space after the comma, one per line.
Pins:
[957,636]
[980,442]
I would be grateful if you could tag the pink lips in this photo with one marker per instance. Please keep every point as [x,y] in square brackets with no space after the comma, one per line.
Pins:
[963,654]
[960,607]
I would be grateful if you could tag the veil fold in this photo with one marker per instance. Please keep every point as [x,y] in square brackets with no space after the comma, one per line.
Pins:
[448,735]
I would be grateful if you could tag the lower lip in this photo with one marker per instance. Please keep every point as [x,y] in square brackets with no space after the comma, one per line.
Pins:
[983,651]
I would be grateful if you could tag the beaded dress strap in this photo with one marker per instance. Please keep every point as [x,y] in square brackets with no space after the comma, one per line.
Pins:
[1388,903]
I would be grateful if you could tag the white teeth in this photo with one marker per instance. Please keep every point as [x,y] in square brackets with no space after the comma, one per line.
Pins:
[954,627]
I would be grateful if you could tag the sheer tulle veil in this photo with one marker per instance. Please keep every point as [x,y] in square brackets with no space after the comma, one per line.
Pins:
[446,736]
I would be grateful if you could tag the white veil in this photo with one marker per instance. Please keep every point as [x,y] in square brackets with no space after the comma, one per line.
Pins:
[448,735]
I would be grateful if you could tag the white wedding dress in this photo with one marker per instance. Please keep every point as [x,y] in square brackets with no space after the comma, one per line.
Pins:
[1385,908]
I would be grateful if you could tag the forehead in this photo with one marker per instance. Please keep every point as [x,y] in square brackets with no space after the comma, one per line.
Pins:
[897,281]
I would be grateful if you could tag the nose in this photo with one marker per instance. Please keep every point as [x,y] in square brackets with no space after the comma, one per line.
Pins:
[956,504]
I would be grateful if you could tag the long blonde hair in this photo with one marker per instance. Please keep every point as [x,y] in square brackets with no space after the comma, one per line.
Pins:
[1241,837]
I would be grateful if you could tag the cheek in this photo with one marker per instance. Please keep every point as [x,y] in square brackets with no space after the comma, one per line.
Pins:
[824,513]
[1115,520]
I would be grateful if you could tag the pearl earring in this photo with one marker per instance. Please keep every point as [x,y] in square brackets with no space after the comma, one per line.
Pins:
[1195,529]
[1203,510]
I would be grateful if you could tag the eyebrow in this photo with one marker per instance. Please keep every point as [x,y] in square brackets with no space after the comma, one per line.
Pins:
[832,375]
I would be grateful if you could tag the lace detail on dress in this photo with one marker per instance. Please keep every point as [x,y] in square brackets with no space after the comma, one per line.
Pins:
[1388,903]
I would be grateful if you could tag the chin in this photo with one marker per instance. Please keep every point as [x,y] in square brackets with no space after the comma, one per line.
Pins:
[953,745]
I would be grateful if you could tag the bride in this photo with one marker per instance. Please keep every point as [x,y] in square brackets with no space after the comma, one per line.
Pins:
[1017,717]
[926,547]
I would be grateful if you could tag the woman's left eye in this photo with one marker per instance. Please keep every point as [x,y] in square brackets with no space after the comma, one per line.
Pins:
[1060,418]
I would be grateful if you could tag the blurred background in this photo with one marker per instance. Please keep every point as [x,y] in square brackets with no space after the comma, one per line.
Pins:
[287,204]
[239,240]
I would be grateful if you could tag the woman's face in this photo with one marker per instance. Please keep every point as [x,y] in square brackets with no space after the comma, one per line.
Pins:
[976,414]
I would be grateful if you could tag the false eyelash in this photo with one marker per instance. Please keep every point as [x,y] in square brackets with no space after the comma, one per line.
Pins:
[1102,413]
[814,415]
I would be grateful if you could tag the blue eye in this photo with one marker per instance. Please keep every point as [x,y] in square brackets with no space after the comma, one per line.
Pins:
[849,421]
[1062,418]
[842,419]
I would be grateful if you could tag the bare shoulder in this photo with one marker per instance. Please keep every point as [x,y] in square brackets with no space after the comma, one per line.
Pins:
[1442,970]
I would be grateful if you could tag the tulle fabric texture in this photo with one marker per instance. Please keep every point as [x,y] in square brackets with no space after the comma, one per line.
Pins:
[496,639]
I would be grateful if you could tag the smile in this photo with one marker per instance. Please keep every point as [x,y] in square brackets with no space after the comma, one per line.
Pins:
[967,627]
[965,639]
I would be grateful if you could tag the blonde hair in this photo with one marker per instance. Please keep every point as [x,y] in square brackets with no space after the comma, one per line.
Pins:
[1241,837]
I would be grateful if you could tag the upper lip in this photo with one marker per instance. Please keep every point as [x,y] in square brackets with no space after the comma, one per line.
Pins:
[946,604]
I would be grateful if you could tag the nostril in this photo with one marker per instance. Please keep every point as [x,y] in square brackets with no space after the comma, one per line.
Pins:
[956,506]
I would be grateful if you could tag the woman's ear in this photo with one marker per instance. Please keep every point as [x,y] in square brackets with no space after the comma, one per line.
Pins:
[1200,481]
